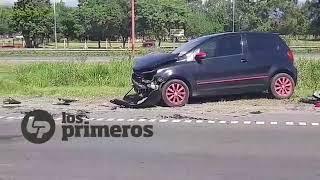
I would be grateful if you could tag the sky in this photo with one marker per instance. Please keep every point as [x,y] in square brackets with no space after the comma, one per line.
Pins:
[70,3]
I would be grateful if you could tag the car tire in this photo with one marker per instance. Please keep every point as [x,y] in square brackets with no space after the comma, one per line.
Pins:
[282,86]
[175,93]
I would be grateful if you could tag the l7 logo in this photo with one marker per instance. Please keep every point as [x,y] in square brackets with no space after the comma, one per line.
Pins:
[38,127]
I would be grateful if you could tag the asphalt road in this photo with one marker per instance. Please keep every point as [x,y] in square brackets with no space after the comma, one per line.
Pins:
[179,149]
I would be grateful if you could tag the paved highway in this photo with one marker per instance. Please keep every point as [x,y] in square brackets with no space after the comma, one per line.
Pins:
[231,149]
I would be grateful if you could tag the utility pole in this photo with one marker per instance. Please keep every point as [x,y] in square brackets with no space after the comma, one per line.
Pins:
[55,24]
[133,31]
[233,14]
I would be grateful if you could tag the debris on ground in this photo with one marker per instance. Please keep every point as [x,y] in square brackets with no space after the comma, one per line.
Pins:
[63,101]
[308,100]
[316,94]
[113,107]
[178,116]
[256,112]
[10,100]
[82,113]
[314,99]
[138,100]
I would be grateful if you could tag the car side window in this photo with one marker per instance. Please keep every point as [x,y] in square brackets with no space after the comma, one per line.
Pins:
[229,45]
[209,47]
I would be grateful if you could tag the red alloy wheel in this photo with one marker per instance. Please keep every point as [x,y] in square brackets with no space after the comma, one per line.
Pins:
[283,86]
[176,93]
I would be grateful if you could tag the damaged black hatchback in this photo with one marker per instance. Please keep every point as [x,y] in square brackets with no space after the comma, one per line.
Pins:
[219,64]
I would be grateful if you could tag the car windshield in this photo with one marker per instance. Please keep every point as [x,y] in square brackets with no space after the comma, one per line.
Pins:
[185,48]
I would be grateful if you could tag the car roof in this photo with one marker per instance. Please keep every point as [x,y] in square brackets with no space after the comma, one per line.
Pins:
[228,33]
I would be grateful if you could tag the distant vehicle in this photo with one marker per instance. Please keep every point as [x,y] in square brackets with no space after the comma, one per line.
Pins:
[219,64]
[149,43]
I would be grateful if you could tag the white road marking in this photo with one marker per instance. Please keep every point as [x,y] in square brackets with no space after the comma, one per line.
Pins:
[142,120]
[151,120]
[302,123]
[176,121]
[163,120]
[2,117]
[290,123]
[260,122]
[9,118]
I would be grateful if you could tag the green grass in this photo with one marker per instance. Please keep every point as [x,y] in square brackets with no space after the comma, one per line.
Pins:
[309,76]
[103,79]
[66,79]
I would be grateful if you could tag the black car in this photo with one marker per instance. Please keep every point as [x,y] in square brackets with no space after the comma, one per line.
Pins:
[219,64]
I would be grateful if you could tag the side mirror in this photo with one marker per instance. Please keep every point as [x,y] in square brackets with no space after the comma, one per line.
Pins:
[200,56]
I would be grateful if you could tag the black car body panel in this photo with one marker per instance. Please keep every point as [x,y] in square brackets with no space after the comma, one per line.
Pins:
[152,61]
[234,63]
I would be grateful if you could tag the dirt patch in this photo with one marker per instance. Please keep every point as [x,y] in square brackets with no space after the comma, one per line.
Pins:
[196,111]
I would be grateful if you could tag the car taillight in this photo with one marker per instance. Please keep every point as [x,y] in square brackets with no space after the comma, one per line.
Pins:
[290,56]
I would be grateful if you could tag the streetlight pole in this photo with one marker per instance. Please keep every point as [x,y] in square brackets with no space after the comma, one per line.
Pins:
[233,14]
[133,26]
[55,24]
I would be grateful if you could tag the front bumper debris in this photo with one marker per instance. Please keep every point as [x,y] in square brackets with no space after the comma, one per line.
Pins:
[138,100]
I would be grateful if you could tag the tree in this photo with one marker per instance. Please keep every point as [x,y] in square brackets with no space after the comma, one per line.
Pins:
[101,19]
[5,20]
[283,16]
[124,28]
[68,23]
[156,18]
[33,18]
[204,19]
[313,13]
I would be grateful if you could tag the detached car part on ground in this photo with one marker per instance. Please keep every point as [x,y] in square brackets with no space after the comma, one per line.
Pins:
[220,64]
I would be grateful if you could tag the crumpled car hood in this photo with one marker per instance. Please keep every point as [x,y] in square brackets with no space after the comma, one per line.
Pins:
[152,61]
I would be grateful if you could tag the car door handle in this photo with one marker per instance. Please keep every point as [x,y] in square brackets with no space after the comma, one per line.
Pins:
[244,60]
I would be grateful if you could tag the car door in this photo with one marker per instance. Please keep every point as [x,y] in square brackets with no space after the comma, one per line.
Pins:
[261,50]
[225,67]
